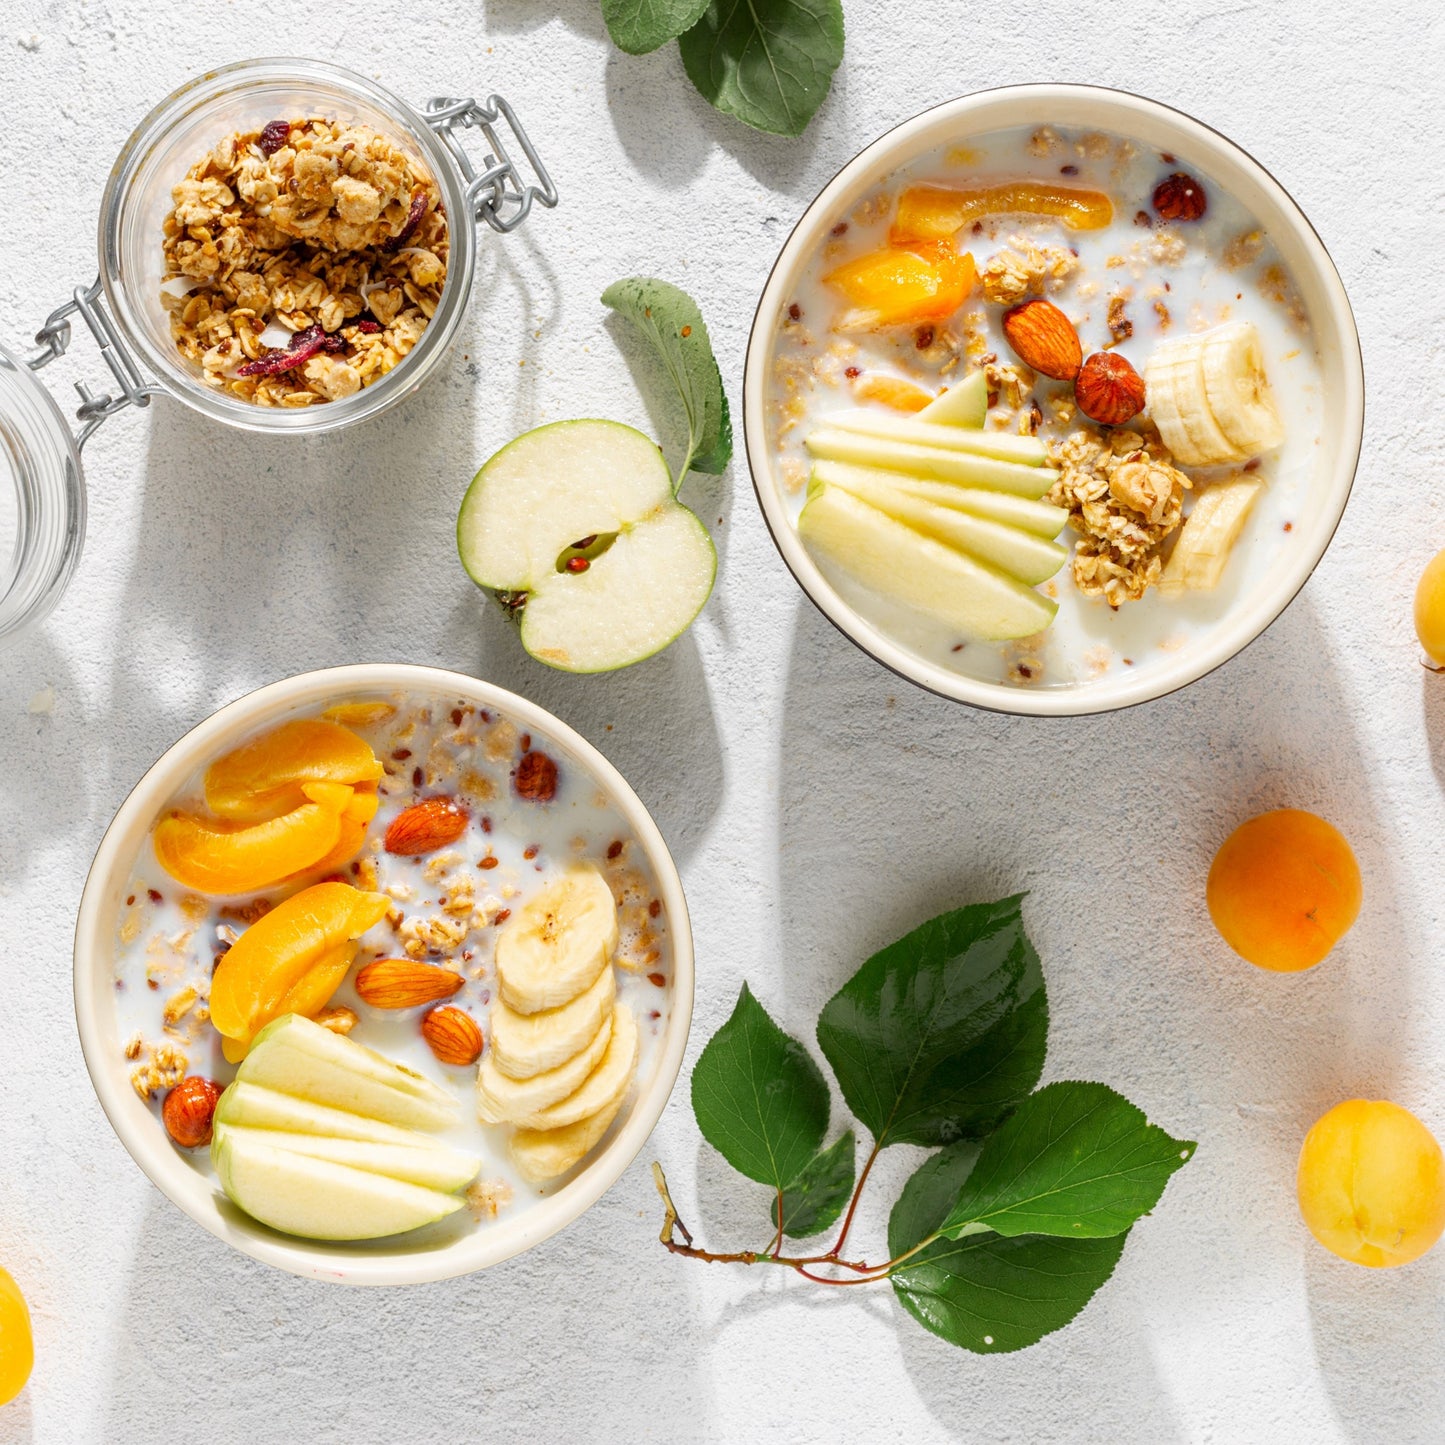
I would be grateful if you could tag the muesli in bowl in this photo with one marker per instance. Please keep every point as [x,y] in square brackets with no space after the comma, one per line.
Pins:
[389,970]
[1053,415]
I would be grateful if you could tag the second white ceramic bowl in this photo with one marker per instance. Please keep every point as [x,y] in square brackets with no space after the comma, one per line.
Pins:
[404,1259]
[1343,410]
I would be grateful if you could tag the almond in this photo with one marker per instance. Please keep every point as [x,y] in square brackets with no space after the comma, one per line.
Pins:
[1044,339]
[453,1035]
[404,983]
[426,826]
[1109,390]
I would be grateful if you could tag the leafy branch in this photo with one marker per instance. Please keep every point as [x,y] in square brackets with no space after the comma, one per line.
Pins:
[1003,1234]
[769,63]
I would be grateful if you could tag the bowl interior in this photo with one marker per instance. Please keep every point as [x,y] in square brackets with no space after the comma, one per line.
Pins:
[437,1252]
[182,129]
[1331,471]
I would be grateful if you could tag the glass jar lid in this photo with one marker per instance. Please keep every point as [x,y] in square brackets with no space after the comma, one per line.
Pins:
[42,498]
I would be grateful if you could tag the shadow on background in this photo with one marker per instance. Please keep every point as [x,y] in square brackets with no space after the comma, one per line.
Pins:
[1110,823]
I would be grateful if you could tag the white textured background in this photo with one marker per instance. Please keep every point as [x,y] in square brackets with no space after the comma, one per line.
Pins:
[818,807]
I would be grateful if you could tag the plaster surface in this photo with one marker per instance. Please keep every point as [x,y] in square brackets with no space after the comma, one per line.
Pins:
[818,806]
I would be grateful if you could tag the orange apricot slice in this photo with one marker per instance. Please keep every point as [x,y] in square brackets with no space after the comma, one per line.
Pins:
[268,971]
[260,779]
[897,286]
[213,857]
[892,391]
[357,714]
[938,213]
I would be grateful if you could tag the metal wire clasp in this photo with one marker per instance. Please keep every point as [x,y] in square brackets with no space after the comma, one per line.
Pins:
[501,195]
[54,338]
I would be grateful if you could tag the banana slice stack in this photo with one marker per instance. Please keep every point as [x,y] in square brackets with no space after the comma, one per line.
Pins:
[563,1050]
[1210,398]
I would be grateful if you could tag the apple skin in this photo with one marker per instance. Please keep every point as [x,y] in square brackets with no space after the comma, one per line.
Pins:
[920,571]
[550,488]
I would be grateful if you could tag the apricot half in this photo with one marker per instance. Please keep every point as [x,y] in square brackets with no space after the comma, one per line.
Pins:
[1284,889]
[215,857]
[1371,1184]
[938,213]
[894,286]
[263,778]
[292,959]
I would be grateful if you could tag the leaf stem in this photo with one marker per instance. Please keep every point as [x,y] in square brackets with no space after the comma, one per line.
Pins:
[800,1264]
[853,1203]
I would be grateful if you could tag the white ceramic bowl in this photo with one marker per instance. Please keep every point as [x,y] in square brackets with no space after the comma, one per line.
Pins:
[1304,254]
[404,1259]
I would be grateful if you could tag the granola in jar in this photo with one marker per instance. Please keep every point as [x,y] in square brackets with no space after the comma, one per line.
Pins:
[303,261]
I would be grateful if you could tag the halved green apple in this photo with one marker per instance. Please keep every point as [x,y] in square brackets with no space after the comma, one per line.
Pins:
[1020,554]
[899,562]
[575,524]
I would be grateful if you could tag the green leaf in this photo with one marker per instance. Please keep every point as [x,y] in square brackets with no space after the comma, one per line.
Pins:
[1076,1160]
[984,1292]
[638,26]
[767,62]
[669,319]
[817,1196]
[940,1035]
[760,1100]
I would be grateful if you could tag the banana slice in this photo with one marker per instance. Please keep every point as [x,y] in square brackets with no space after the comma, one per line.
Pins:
[1210,532]
[542,1154]
[605,1086]
[524,1045]
[554,947]
[501,1100]
[1179,405]
[1240,399]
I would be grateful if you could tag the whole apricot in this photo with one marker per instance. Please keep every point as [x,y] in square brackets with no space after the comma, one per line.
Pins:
[1430,610]
[1371,1184]
[1284,889]
[17,1349]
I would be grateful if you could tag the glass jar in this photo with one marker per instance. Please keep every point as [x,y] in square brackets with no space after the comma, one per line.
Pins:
[42,503]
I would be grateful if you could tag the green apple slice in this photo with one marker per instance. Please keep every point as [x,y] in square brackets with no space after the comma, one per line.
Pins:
[1040,518]
[889,426]
[298,1057]
[920,571]
[963,405]
[426,1162]
[940,464]
[650,563]
[250,1106]
[1030,559]
[318,1199]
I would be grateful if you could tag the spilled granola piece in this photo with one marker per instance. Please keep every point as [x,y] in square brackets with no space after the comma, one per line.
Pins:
[1125,499]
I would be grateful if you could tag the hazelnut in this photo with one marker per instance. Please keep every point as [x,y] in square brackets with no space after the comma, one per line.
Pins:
[1109,390]
[188,1109]
[536,778]
[1180,198]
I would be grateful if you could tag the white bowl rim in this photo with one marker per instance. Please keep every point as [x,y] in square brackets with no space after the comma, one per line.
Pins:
[146,1141]
[1095,696]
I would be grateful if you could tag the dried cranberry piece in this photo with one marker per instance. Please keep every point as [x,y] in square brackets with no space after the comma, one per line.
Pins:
[413,220]
[274,136]
[368,327]
[304,345]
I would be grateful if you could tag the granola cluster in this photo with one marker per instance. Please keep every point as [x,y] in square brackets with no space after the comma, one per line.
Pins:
[1125,499]
[326,233]
[1024,269]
